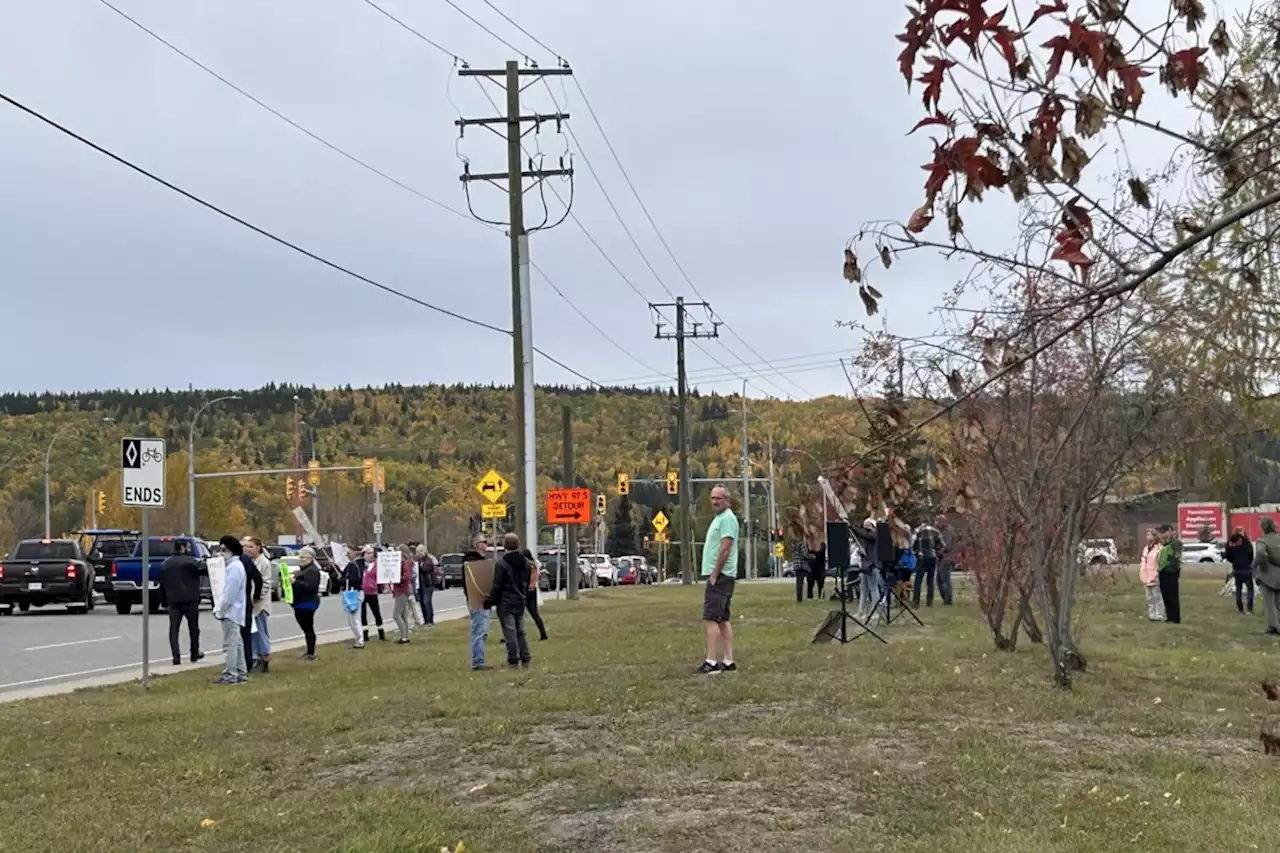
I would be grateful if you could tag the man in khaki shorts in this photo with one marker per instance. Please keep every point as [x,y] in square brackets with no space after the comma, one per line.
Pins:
[720,568]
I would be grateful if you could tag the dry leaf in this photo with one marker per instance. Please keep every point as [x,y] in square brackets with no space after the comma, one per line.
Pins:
[955,225]
[1138,190]
[1219,40]
[956,383]
[920,219]
[1074,159]
[852,272]
[207,823]
[868,301]
[886,257]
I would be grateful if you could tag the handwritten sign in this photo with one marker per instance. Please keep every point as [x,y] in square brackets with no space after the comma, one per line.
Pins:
[388,567]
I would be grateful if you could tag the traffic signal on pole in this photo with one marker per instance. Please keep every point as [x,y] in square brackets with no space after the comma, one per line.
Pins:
[102,502]
[367,474]
[313,472]
[382,479]
[288,487]
[673,482]
[600,505]
[624,484]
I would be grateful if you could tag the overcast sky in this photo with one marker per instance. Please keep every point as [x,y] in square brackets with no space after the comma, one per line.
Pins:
[759,134]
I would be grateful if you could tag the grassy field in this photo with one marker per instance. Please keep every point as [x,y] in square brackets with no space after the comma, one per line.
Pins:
[932,743]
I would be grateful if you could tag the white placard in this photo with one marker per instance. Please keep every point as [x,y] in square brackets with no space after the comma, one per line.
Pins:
[310,529]
[142,471]
[388,567]
[340,558]
[217,577]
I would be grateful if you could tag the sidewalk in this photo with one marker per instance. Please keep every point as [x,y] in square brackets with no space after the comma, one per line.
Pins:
[160,667]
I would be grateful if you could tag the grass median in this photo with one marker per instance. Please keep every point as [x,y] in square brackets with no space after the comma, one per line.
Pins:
[932,743]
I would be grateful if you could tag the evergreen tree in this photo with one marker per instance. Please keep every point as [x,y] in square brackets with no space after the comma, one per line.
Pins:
[622,533]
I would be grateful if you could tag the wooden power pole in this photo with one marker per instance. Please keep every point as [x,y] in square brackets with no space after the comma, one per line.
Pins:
[680,335]
[521,300]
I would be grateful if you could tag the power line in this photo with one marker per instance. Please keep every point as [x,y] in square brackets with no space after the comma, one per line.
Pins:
[270,236]
[464,13]
[436,45]
[351,157]
[625,228]
[528,34]
[627,177]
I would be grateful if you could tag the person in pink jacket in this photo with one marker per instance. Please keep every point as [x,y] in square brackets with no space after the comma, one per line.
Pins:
[1149,576]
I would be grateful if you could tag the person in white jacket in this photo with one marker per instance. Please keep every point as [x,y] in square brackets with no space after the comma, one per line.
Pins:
[230,611]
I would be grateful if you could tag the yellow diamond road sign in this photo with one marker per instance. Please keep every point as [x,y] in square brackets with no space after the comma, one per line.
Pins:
[660,522]
[492,487]
[493,510]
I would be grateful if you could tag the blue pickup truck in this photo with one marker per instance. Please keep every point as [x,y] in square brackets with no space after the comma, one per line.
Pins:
[126,572]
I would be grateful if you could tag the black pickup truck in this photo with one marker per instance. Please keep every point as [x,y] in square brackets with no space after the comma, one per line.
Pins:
[102,547]
[46,571]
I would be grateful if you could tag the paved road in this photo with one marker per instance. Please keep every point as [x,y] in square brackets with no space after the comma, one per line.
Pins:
[49,646]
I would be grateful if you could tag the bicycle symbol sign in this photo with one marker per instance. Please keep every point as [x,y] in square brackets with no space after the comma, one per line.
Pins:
[142,471]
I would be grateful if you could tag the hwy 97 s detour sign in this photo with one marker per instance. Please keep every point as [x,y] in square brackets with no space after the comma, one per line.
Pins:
[142,471]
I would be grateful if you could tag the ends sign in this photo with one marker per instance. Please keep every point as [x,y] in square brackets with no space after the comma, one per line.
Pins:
[569,506]
[142,471]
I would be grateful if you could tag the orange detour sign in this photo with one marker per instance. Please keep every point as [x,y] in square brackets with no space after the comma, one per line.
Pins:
[569,506]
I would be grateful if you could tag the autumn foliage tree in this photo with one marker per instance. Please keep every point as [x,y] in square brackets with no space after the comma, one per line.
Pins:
[1079,124]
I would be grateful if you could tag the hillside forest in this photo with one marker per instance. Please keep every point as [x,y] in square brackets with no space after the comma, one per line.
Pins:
[433,441]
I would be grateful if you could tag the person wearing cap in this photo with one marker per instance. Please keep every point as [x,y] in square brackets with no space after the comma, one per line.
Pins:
[306,598]
[368,563]
[477,579]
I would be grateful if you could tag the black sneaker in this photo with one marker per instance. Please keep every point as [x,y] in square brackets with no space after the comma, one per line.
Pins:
[728,667]
[708,668]
[197,657]
[177,661]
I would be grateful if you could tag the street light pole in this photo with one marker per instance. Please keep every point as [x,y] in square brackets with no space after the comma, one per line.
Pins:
[430,492]
[315,490]
[191,463]
[48,453]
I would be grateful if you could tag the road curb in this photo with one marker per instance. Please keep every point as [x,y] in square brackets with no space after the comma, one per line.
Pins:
[161,667]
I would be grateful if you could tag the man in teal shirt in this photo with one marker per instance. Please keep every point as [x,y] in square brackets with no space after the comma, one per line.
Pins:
[720,568]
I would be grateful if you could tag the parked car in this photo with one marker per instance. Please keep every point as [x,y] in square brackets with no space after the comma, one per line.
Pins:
[626,570]
[291,561]
[127,575]
[606,573]
[46,571]
[452,567]
[1202,552]
[645,573]
[1098,552]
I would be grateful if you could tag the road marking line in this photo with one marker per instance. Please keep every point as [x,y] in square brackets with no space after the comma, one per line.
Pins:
[72,643]
[137,664]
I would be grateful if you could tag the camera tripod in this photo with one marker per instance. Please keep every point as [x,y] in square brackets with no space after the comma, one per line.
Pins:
[889,595]
[835,627]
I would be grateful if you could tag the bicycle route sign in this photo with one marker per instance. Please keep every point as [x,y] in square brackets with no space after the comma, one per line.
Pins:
[142,471]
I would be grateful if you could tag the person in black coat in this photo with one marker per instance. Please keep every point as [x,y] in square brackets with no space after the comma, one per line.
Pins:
[531,595]
[252,591]
[510,584]
[1239,553]
[180,586]
[818,569]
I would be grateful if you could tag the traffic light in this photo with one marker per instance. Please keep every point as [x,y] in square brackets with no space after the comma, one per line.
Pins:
[624,484]
[313,472]
[288,487]
[382,479]
[102,502]
[367,474]
[673,482]
[600,505]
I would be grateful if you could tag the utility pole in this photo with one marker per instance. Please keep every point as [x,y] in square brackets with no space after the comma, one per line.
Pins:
[570,560]
[521,299]
[773,514]
[297,455]
[682,431]
[746,489]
